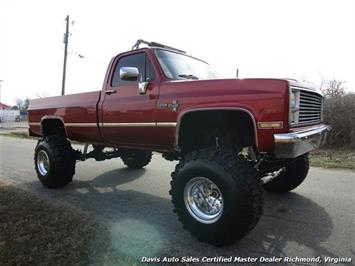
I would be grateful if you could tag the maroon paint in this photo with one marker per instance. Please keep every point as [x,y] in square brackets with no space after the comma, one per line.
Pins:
[264,99]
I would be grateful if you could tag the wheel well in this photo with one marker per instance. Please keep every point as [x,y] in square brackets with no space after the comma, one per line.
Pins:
[201,128]
[52,127]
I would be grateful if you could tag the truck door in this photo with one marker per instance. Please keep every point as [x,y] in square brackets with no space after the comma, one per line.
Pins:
[127,117]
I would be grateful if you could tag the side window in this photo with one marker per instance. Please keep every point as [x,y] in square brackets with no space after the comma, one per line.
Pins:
[135,60]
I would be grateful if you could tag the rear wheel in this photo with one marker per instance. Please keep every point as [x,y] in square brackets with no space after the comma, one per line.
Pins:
[54,161]
[216,195]
[293,175]
[136,159]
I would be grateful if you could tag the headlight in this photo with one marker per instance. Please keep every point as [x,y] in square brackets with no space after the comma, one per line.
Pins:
[294,106]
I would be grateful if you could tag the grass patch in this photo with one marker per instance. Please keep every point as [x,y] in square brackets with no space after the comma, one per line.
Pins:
[35,232]
[331,158]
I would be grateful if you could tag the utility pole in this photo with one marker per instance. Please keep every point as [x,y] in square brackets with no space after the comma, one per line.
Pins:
[66,38]
[0,88]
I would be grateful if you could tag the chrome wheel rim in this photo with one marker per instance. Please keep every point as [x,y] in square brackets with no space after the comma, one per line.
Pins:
[43,162]
[203,200]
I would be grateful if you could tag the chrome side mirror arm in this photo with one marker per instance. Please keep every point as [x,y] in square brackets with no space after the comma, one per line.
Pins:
[142,87]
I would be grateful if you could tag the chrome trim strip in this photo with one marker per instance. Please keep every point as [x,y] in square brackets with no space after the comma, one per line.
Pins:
[128,124]
[150,124]
[80,124]
[166,124]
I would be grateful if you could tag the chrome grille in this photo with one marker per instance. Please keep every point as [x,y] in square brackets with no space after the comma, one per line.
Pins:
[310,107]
[306,106]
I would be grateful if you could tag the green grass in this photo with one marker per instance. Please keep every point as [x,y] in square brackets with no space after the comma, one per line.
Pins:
[33,232]
[333,158]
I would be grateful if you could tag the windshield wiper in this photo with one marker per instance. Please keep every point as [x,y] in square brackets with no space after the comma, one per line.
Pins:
[188,76]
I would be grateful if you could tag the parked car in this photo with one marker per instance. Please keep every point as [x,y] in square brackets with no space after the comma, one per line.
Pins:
[233,137]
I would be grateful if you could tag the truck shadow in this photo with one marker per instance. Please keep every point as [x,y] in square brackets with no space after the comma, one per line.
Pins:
[113,178]
[143,225]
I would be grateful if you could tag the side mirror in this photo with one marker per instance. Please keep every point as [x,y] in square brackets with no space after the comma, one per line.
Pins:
[129,73]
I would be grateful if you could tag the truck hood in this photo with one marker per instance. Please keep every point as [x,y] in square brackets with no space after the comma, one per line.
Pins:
[263,84]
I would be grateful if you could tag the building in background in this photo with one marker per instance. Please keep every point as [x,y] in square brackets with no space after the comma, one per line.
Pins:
[8,115]
[4,107]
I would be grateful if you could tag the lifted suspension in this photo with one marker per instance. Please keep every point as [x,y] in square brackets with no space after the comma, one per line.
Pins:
[267,166]
[98,153]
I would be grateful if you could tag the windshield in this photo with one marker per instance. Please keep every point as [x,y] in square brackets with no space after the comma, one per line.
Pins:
[178,66]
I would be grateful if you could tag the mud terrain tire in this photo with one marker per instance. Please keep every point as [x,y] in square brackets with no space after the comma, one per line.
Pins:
[235,179]
[54,161]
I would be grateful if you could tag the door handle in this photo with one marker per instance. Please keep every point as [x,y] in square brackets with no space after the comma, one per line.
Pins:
[109,92]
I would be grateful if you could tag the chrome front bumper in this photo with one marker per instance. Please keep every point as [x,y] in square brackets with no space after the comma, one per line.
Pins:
[293,144]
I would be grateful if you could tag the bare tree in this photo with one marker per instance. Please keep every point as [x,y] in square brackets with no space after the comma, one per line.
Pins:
[22,104]
[339,112]
[334,88]
[19,103]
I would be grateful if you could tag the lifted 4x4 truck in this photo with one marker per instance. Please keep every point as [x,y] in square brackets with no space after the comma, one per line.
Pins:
[233,137]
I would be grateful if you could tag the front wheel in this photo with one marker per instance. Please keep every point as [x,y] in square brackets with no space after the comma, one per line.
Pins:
[216,195]
[54,161]
[293,175]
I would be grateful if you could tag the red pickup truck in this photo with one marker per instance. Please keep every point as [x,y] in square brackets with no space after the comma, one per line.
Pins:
[233,137]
